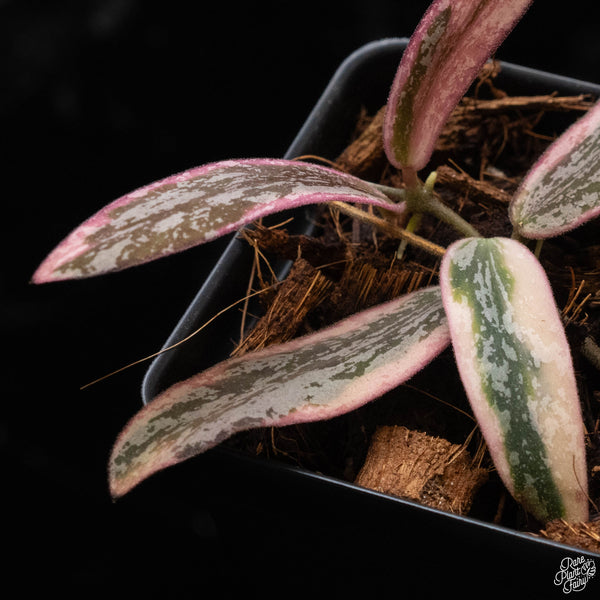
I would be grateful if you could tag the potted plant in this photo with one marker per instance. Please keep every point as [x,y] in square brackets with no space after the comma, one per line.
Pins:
[408,333]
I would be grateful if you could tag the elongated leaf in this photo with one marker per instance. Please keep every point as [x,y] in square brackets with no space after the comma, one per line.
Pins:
[562,190]
[316,377]
[195,207]
[515,365]
[445,54]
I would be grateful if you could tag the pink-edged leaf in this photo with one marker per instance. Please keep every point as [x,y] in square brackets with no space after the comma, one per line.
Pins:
[194,207]
[515,364]
[444,55]
[562,190]
[316,377]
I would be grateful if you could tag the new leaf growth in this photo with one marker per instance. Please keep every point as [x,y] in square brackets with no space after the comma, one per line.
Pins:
[445,53]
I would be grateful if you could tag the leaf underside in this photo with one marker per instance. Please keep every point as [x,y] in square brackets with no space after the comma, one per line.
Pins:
[515,365]
[445,53]
[194,207]
[312,378]
[562,190]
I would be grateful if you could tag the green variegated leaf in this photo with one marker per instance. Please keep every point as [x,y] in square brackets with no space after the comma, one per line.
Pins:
[445,54]
[562,190]
[309,379]
[194,207]
[515,365]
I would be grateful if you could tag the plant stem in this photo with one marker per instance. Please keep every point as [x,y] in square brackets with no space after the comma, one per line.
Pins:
[409,176]
[590,350]
[393,193]
[515,235]
[538,248]
[411,227]
[389,228]
[429,203]
[421,200]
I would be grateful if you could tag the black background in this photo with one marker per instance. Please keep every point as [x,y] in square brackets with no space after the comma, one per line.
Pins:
[102,96]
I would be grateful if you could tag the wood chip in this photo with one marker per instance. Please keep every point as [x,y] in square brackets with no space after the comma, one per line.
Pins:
[414,465]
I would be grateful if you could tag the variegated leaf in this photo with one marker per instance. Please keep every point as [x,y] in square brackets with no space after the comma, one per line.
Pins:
[312,378]
[515,365]
[194,207]
[562,190]
[445,53]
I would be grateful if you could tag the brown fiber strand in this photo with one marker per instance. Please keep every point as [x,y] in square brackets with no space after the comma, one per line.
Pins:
[185,339]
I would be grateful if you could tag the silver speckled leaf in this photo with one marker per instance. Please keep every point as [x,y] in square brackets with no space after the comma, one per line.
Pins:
[316,377]
[515,364]
[562,190]
[450,45]
[194,207]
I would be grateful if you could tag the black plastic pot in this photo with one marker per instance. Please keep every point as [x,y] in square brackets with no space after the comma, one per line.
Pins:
[362,80]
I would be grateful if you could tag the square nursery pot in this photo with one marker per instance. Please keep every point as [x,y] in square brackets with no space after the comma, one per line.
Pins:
[427,541]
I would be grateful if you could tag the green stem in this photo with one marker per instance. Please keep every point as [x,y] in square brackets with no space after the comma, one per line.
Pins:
[411,227]
[538,248]
[429,203]
[393,193]
[446,214]
[515,235]
[421,199]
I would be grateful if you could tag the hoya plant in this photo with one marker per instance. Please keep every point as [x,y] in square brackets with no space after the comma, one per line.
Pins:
[493,304]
